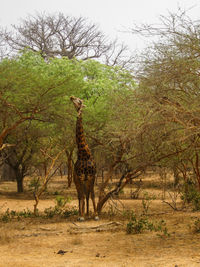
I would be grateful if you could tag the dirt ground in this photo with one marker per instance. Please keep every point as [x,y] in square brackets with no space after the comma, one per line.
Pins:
[58,242]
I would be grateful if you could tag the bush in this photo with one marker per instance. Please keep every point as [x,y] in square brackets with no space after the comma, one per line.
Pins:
[51,212]
[195,227]
[9,215]
[61,201]
[60,208]
[139,225]
[65,213]
[34,184]
[191,195]
[70,212]
[146,201]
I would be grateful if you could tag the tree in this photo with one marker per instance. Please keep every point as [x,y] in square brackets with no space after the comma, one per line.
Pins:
[169,81]
[35,105]
[32,90]
[38,189]
[58,35]
[3,46]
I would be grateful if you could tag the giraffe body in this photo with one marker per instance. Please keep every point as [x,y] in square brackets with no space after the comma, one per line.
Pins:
[85,167]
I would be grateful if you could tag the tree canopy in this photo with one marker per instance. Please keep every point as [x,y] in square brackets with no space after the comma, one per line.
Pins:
[131,122]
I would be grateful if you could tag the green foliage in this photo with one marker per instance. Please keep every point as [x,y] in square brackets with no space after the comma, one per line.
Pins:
[61,201]
[52,211]
[60,208]
[34,184]
[137,226]
[6,217]
[9,215]
[146,201]
[142,223]
[70,212]
[191,194]
[62,212]
[196,226]
[41,90]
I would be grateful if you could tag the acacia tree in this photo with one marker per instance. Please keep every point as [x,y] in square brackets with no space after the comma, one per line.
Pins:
[169,82]
[59,35]
[13,114]
[19,157]
[119,127]
[32,89]
[30,85]
[133,142]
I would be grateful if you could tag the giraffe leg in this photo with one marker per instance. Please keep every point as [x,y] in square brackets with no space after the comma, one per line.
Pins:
[81,197]
[87,201]
[82,209]
[96,217]
[79,206]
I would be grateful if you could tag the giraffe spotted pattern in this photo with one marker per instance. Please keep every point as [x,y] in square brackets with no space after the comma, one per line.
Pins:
[85,167]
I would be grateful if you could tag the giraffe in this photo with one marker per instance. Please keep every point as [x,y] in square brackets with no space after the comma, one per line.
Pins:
[85,167]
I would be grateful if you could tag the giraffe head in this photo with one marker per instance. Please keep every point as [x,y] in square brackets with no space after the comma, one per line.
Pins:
[78,103]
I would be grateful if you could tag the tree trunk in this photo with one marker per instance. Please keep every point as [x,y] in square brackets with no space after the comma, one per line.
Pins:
[20,184]
[69,167]
[176,176]
[69,172]
[122,182]
[36,204]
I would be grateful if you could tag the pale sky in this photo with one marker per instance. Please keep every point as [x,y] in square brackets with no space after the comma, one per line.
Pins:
[112,16]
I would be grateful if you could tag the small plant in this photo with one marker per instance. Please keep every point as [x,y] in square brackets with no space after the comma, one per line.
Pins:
[146,201]
[62,201]
[195,227]
[25,214]
[136,226]
[34,184]
[111,211]
[6,217]
[174,196]
[70,212]
[60,208]
[9,215]
[161,227]
[65,213]
[191,195]
[139,225]
[51,212]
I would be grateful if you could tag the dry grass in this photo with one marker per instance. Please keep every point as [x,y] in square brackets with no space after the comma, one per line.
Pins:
[35,242]
[5,237]
[77,241]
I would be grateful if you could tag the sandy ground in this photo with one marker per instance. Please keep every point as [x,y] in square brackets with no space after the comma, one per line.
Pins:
[34,242]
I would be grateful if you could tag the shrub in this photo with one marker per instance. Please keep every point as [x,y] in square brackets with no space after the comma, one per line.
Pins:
[139,225]
[195,227]
[146,201]
[9,215]
[34,184]
[62,201]
[191,195]
[70,212]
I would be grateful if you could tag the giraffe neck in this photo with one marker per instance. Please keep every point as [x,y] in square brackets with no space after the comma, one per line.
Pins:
[83,148]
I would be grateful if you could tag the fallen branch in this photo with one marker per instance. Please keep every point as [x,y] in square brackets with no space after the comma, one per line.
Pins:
[111,226]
